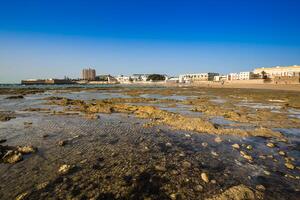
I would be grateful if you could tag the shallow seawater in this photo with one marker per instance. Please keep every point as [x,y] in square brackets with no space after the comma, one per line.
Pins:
[117,157]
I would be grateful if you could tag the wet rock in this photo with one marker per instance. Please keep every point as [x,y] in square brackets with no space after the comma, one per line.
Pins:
[236,146]
[12,157]
[271,145]
[64,169]
[26,149]
[218,140]
[186,164]
[239,192]
[289,165]
[22,196]
[246,156]
[204,177]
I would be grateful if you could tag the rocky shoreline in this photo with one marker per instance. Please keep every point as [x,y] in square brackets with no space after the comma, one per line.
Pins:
[152,143]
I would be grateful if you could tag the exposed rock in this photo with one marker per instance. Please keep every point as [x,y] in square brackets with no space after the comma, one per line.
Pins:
[12,157]
[160,168]
[236,146]
[26,149]
[204,177]
[239,192]
[2,140]
[204,144]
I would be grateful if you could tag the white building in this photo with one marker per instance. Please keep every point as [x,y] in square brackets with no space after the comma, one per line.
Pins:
[246,75]
[220,78]
[272,72]
[188,78]
[233,76]
[123,79]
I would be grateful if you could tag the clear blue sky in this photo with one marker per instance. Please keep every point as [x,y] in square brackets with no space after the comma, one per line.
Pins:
[43,39]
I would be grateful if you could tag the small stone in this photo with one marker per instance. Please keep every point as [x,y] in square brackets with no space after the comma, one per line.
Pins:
[45,136]
[204,144]
[22,196]
[218,140]
[42,185]
[249,147]
[187,135]
[260,187]
[160,168]
[236,146]
[64,169]
[182,154]
[62,143]
[204,177]
[2,140]
[198,188]
[267,173]
[173,196]
[271,145]
[186,164]
[213,181]
[168,144]
[289,165]
[214,153]
[262,157]
[27,123]
[246,156]
[282,153]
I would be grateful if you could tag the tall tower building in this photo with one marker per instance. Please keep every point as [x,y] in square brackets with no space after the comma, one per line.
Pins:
[88,74]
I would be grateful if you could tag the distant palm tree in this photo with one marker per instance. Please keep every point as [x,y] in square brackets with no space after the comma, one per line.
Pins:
[264,75]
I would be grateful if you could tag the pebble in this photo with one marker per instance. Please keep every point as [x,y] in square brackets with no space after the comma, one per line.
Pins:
[63,169]
[213,181]
[160,168]
[289,165]
[198,188]
[249,147]
[218,140]
[204,144]
[260,187]
[236,146]
[214,153]
[204,177]
[282,153]
[168,144]
[267,172]
[246,156]
[62,143]
[271,145]
[186,164]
